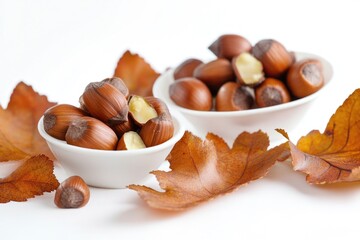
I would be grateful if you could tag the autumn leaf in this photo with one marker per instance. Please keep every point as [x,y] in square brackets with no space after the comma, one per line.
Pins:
[19,137]
[34,177]
[203,170]
[332,156]
[137,74]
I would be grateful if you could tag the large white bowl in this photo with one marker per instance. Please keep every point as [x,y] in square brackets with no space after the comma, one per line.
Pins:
[110,169]
[229,124]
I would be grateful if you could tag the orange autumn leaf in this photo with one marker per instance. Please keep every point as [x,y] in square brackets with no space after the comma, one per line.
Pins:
[19,137]
[34,177]
[332,156]
[203,170]
[136,73]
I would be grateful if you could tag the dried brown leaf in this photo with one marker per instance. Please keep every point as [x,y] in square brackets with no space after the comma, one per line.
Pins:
[19,137]
[34,177]
[332,156]
[203,170]
[137,74]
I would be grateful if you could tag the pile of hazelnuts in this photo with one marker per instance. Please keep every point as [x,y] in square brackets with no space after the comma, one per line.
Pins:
[109,118]
[244,76]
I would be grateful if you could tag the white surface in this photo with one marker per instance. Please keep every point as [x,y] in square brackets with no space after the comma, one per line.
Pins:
[111,169]
[58,47]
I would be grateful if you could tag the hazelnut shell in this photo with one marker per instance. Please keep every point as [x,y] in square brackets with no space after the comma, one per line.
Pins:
[57,119]
[233,97]
[72,193]
[230,45]
[186,68]
[119,84]
[88,132]
[273,55]
[105,102]
[271,92]
[305,77]
[160,129]
[215,73]
[191,93]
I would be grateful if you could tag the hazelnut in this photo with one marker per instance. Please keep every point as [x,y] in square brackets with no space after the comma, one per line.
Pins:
[160,107]
[186,68]
[215,73]
[118,84]
[159,129]
[82,105]
[123,127]
[130,141]
[105,102]
[232,97]
[140,110]
[271,92]
[230,45]
[72,193]
[305,77]
[191,93]
[248,70]
[274,57]
[57,119]
[88,132]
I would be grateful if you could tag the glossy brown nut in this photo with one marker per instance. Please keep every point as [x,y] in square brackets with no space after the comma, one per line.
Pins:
[156,131]
[305,77]
[119,84]
[160,107]
[72,193]
[123,127]
[57,119]
[274,57]
[230,45]
[105,102]
[160,129]
[271,92]
[248,70]
[215,73]
[88,132]
[186,68]
[232,97]
[191,93]
[82,105]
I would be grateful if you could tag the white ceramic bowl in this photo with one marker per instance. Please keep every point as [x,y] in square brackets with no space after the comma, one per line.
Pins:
[229,124]
[110,169]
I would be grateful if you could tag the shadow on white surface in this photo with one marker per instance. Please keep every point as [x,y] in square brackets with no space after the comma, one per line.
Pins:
[283,174]
[140,213]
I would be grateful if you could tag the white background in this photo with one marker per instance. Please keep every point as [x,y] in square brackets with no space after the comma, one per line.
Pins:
[60,46]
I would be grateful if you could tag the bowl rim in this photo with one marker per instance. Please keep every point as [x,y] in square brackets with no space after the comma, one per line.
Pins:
[249,112]
[178,133]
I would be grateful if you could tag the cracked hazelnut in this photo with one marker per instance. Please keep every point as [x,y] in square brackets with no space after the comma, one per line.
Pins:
[248,70]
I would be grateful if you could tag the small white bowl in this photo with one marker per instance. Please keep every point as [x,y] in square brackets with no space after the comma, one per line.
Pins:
[229,124]
[110,169]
